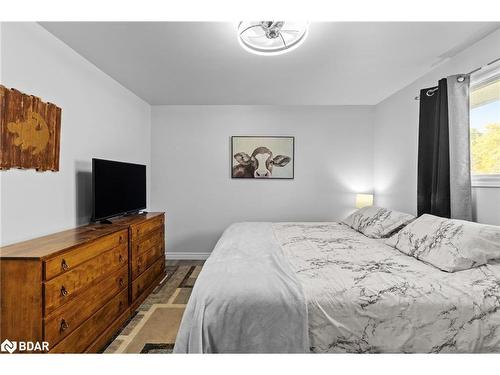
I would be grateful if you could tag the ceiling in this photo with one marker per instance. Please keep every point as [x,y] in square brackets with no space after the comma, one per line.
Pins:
[340,63]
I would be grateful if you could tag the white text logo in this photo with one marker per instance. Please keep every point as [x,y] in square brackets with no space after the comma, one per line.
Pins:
[24,346]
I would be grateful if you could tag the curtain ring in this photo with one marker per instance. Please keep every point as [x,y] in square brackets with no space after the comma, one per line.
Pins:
[460,78]
[430,92]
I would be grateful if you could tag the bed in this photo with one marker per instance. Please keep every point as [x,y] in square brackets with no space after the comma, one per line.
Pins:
[327,288]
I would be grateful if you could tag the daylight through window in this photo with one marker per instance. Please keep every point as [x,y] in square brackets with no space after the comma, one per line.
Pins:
[485,125]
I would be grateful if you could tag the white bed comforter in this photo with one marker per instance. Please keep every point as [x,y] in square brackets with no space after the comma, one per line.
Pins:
[365,296]
[246,299]
[291,287]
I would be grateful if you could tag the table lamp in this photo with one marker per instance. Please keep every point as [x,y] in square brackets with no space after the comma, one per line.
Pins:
[363,200]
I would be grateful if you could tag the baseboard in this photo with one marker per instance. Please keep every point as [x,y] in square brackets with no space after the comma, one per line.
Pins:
[186,256]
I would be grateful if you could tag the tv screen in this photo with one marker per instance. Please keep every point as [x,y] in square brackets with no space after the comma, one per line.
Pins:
[117,188]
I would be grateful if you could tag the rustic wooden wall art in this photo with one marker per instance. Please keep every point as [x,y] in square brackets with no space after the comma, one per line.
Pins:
[30,132]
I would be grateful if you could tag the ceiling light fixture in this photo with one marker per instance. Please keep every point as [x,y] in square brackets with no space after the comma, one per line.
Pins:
[271,37]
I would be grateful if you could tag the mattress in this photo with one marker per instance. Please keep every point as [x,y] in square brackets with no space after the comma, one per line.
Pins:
[323,287]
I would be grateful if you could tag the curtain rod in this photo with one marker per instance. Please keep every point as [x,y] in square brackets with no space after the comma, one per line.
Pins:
[430,92]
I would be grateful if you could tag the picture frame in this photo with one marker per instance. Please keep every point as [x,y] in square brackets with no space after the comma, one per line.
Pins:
[263,157]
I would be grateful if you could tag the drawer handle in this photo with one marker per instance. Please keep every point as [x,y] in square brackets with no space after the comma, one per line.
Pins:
[120,305]
[64,292]
[120,258]
[64,265]
[64,325]
[120,282]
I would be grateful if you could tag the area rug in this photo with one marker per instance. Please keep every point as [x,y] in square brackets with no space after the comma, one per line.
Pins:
[153,328]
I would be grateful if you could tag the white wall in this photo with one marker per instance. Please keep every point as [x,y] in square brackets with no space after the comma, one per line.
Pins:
[100,118]
[189,148]
[191,163]
[396,136]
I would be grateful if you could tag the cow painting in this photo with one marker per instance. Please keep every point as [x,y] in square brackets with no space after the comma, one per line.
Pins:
[254,159]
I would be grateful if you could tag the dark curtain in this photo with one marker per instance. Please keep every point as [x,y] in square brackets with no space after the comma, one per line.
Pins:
[433,187]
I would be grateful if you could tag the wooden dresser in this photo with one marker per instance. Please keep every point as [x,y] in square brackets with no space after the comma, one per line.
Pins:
[146,256]
[76,288]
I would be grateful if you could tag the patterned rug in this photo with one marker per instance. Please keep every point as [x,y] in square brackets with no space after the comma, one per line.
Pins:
[154,326]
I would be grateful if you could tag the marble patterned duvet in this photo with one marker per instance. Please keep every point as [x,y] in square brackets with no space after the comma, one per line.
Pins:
[364,296]
[290,287]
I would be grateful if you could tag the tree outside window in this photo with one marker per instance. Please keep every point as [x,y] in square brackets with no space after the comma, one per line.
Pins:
[485,128]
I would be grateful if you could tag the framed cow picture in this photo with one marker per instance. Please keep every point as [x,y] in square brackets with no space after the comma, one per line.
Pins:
[262,157]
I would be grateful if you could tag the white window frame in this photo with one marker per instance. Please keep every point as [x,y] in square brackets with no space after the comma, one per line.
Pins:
[485,180]
[478,79]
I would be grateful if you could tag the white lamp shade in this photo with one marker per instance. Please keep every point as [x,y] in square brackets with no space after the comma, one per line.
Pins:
[363,200]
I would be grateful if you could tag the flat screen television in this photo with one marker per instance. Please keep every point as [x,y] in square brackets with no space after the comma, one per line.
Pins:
[117,188]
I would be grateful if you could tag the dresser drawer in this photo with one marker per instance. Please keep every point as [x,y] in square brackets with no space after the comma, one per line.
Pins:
[67,261]
[139,247]
[143,229]
[65,287]
[146,259]
[66,319]
[143,282]
[83,336]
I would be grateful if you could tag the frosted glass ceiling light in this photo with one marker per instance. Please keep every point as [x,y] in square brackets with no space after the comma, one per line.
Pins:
[271,37]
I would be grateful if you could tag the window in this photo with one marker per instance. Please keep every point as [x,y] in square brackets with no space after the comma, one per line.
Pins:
[485,128]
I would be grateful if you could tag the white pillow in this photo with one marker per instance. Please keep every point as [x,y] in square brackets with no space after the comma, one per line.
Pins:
[448,244]
[377,222]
